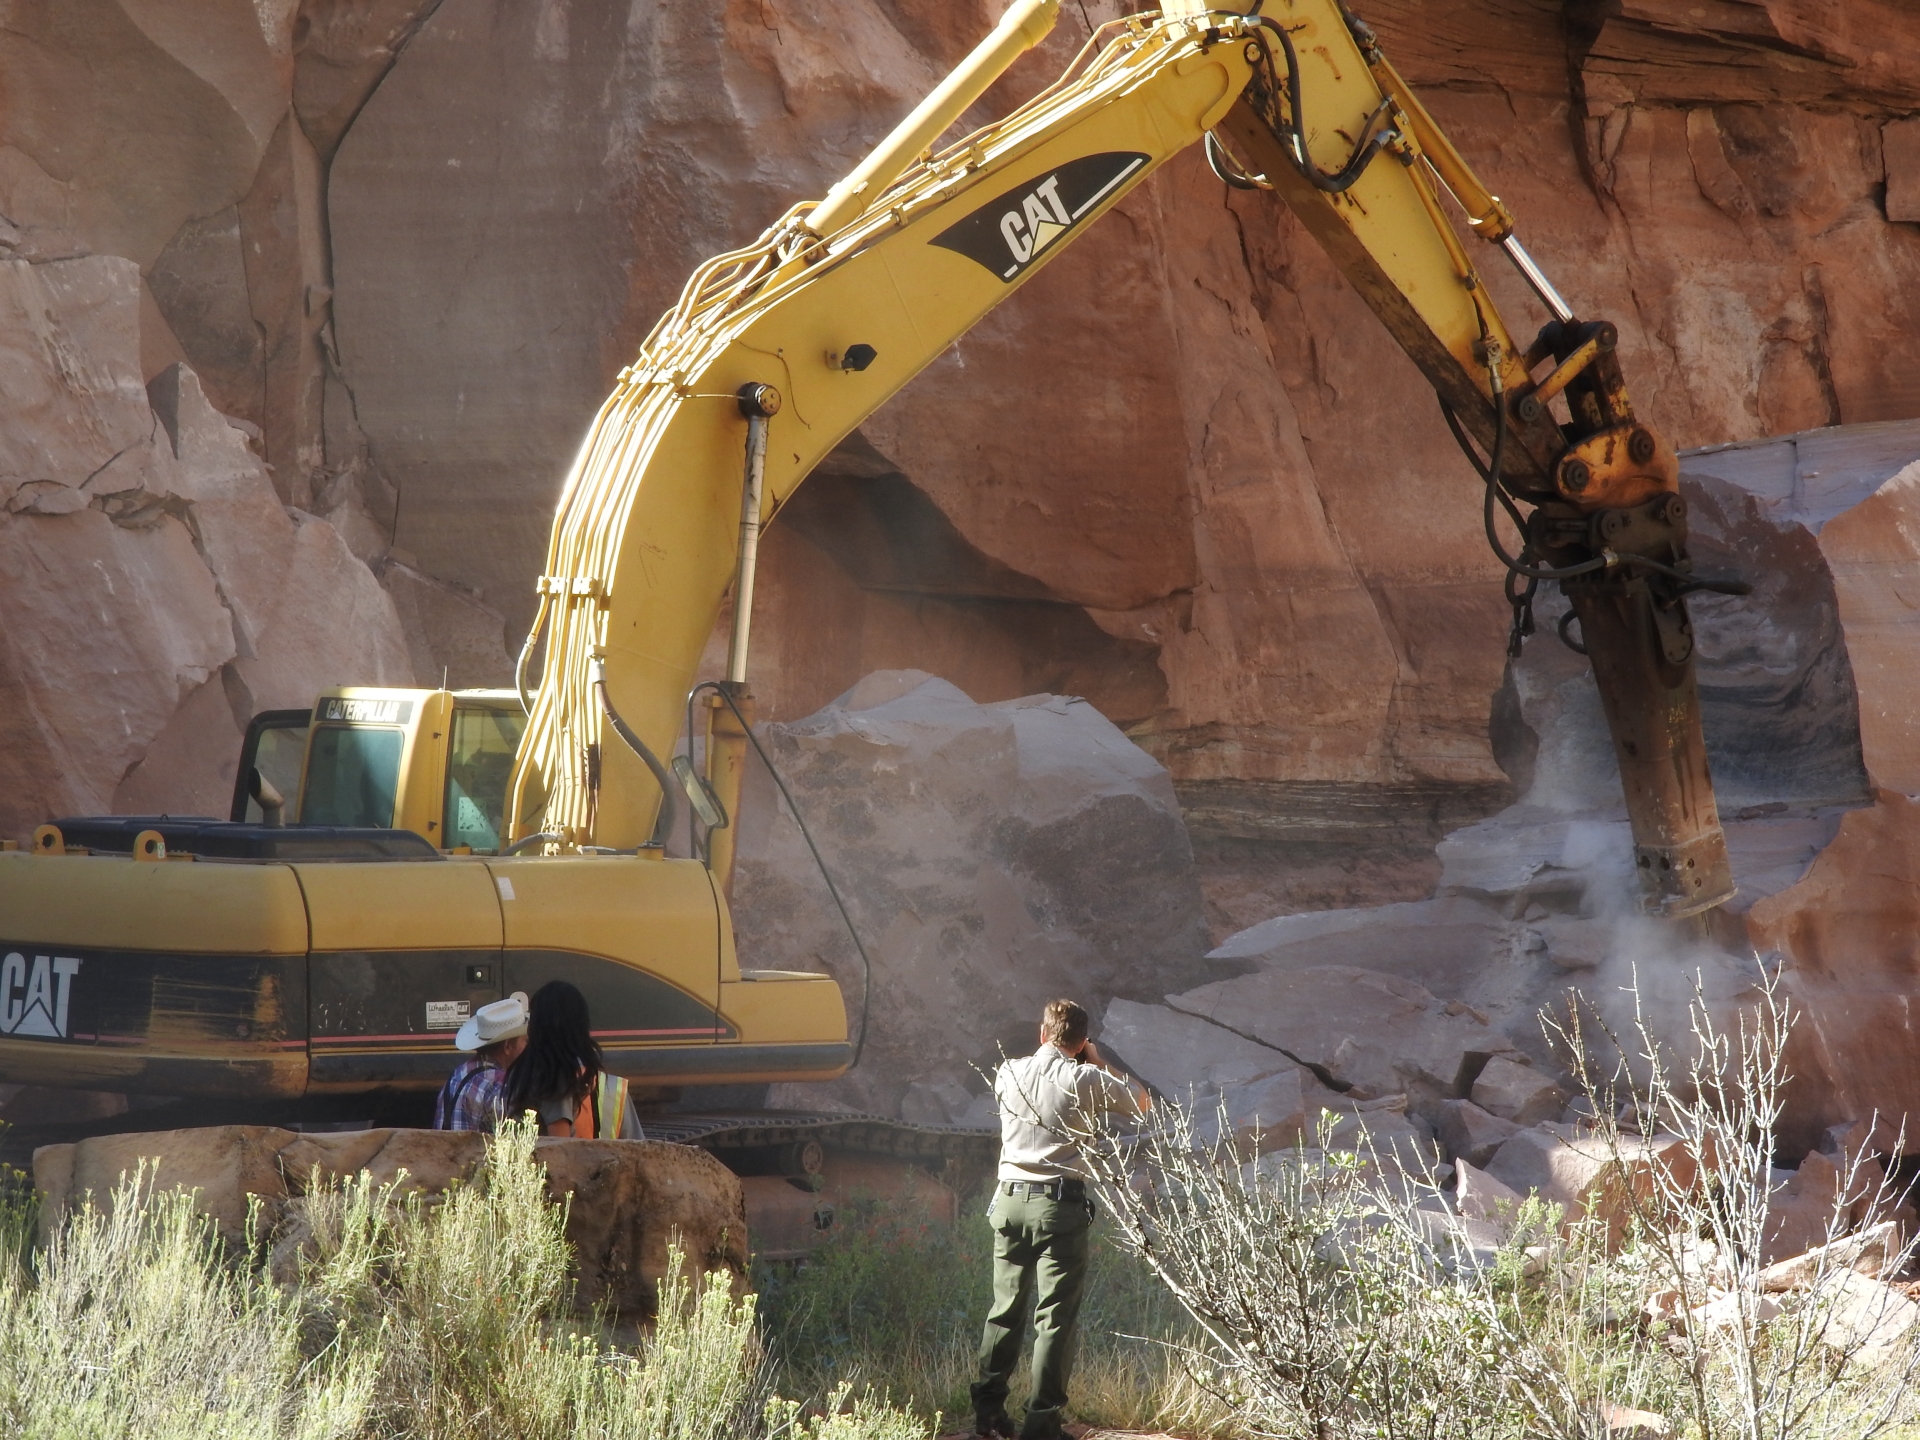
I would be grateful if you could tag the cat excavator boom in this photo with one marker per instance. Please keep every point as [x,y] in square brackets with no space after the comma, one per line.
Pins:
[445,848]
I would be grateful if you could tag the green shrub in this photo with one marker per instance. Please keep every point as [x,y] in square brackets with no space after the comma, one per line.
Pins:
[135,1326]
[443,1319]
[19,1214]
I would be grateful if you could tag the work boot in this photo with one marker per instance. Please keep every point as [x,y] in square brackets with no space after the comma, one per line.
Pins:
[1000,1424]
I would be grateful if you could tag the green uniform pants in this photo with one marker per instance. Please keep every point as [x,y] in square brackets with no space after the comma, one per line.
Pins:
[1037,1243]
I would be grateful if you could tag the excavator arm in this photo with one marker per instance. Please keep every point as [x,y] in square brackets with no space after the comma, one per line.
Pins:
[775,352]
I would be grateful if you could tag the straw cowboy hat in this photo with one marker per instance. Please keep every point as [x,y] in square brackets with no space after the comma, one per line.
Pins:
[490,1024]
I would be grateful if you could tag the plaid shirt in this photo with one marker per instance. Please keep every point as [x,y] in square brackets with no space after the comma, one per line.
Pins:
[474,1097]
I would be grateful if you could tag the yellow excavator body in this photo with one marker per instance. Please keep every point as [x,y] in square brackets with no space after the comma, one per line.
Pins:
[341,951]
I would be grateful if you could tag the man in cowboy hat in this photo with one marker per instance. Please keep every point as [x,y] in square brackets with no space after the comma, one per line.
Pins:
[474,1097]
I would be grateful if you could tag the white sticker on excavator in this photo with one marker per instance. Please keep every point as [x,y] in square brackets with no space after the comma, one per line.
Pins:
[33,997]
[447,1014]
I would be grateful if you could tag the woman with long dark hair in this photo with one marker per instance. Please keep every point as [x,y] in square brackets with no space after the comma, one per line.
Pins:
[560,1075]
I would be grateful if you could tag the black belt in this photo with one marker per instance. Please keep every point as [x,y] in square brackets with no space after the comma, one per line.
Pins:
[1046,1189]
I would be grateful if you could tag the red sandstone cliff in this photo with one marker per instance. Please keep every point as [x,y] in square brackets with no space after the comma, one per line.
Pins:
[1184,473]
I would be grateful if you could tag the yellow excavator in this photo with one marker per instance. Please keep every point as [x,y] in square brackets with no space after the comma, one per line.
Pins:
[395,858]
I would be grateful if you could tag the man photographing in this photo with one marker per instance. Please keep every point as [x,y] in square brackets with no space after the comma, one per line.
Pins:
[1041,1214]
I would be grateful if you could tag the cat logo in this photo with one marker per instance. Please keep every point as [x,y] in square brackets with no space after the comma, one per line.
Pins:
[33,999]
[367,712]
[1011,232]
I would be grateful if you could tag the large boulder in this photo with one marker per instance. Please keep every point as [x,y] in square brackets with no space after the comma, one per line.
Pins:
[993,856]
[1183,1057]
[627,1200]
[1270,1113]
[1498,964]
[1447,943]
[1236,1090]
[225,1166]
[1616,1182]
[1366,1033]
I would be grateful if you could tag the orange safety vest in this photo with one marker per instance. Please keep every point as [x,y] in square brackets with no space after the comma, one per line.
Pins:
[604,1108]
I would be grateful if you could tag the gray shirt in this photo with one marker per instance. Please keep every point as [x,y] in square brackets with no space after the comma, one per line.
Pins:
[1047,1100]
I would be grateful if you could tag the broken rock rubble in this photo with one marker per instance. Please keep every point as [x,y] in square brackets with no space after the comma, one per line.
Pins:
[1861,1319]
[1873,1252]
[1517,1093]
[1470,1133]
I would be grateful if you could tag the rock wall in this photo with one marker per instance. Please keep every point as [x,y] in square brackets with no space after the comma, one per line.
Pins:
[158,592]
[407,243]
[179,552]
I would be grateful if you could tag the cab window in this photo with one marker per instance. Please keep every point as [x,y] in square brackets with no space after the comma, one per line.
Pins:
[353,775]
[479,765]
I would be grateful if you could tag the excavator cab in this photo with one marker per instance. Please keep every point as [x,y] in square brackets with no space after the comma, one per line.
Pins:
[435,762]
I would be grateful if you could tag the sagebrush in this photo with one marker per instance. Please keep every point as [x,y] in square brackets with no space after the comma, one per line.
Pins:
[396,1315]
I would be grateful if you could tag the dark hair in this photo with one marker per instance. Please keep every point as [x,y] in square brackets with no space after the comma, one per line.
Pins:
[562,1058]
[1064,1023]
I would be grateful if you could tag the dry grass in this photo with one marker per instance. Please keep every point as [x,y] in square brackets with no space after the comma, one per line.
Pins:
[895,1303]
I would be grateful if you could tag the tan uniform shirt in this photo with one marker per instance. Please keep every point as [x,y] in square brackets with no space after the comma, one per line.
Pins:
[1046,1100]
